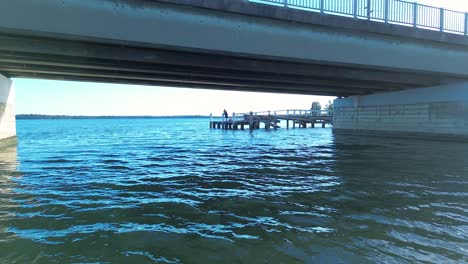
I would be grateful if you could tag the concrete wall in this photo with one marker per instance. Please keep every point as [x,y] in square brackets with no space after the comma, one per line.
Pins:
[7,112]
[435,112]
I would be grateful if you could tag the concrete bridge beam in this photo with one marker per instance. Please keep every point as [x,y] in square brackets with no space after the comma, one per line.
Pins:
[7,112]
[439,112]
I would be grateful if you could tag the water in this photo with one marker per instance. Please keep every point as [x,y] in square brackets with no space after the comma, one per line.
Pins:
[174,191]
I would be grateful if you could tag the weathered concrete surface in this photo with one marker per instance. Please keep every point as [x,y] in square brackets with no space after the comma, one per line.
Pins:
[7,112]
[341,23]
[8,159]
[437,112]
[171,25]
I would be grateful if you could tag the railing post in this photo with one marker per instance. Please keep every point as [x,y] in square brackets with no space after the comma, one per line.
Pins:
[442,19]
[285,3]
[466,24]
[386,10]
[355,8]
[368,9]
[415,14]
[321,6]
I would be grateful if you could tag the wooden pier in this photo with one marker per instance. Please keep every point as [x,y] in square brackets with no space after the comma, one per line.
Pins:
[271,119]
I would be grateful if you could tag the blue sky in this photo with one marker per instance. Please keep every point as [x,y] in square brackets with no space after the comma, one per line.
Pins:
[78,98]
[81,98]
[457,5]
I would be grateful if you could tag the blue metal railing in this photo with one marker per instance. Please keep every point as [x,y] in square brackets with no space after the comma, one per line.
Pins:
[387,11]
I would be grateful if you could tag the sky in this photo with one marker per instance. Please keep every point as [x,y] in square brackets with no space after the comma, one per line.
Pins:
[457,5]
[81,98]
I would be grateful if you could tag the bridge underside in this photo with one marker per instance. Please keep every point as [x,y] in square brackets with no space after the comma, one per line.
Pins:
[231,45]
[62,59]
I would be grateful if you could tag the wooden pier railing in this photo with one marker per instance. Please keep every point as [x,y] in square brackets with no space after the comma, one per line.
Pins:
[271,119]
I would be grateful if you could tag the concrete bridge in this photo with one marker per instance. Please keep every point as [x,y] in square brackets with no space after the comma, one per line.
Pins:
[247,46]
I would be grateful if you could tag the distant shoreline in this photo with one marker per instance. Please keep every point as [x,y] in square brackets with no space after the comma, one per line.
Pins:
[33,116]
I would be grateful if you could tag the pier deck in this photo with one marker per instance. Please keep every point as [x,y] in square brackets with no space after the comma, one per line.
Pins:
[272,119]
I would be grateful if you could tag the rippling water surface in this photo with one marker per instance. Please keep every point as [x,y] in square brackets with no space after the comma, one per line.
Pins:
[174,191]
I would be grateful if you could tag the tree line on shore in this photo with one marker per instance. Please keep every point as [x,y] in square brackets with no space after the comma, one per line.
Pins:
[317,106]
[38,116]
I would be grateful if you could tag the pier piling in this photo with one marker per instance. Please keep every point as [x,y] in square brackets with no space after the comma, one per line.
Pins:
[253,120]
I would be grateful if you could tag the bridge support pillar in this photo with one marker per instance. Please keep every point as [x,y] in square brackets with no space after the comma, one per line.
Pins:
[7,113]
[439,112]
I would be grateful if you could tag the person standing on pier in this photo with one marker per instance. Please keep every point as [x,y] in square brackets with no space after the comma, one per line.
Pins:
[225,114]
